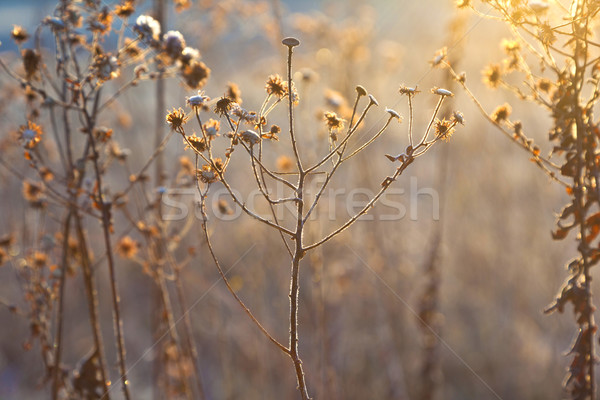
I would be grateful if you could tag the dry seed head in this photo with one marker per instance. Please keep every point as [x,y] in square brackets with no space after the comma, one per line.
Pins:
[546,34]
[127,247]
[176,118]
[492,76]
[273,133]
[19,34]
[442,92]
[31,134]
[439,58]
[361,90]
[195,74]
[125,10]
[223,106]
[31,62]
[188,55]
[373,100]
[147,27]
[250,137]
[32,191]
[290,42]
[275,86]
[393,114]
[211,128]
[173,43]
[198,101]
[511,46]
[207,174]
[233,92]
[408,90]
[501,113]
[444,129]
[333,122]
[458,117]
[195,142]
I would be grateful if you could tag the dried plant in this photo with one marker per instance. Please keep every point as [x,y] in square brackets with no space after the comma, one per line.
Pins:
[248,133]
[94,206]
[70,90]
[552,61]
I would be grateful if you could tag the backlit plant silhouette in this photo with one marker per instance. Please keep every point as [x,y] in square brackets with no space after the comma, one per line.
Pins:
[553,61]
[247,132]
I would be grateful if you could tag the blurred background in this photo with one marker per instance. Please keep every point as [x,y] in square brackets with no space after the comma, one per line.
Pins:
[489,262]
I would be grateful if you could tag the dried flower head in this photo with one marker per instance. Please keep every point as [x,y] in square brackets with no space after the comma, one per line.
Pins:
[147,28]
[188,55]
[176,118]
[102,133]
[30,134]
[173,44]
[361,91]
[501,113]
[31,62]
[211,128]
[250,137]
[106,67]
[545,85]
[458,118]
[223,106]
[492,76]
[32,191]
[444,129]
[546,34]
[38,259]
[195,142]
[131,49]
[333,122]
[207,174]
[101,22]
[46,174]
[440,57]
[290,42]
[195,74]
[182,5]
[19,34]
[275,86]
[511,46]
[197,102]
[233,92]
[463,3]
[409,91]
[125,9]
[393,114]
[273,133]
[127,247]
[442,92]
